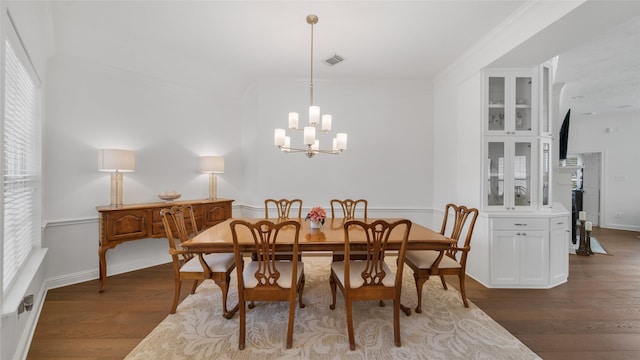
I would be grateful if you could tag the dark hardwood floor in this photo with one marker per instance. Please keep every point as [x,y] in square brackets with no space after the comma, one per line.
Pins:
[596,315]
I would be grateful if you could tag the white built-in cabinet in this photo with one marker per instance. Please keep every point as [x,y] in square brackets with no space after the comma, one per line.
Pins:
[528,244]
[529,252]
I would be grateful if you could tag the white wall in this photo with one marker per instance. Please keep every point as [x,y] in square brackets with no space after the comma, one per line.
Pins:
[389,155]
[167,125]
[90,106]
[620,158]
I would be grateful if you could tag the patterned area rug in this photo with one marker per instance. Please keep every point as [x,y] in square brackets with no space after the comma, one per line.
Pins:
[444,330]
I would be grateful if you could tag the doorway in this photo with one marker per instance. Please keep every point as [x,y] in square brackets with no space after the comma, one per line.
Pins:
[588,179]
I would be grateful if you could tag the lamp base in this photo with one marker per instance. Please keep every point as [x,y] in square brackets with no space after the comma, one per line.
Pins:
[213,186]
[116,189]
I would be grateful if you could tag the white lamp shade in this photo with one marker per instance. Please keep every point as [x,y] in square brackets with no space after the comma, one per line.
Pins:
[314,115]
[115,160]
[341,141]
[309,135]
[212,164]
[293,120]
[278,137]
[326,122]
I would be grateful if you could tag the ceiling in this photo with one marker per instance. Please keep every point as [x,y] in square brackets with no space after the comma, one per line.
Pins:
[603,74]
[225,45]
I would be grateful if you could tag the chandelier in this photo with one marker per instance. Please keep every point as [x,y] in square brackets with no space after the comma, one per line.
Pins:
[283,142]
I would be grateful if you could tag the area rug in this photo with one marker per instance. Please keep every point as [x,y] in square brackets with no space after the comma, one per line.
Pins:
[595,247]
[444,330]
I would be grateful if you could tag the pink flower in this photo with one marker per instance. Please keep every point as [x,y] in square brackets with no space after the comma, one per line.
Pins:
[317,214]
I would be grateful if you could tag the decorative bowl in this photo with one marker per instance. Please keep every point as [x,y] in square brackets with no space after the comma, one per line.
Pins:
[169,197]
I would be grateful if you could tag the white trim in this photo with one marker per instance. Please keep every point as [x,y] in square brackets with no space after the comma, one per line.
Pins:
[22,350]
[71,222]
[78,277]
[15,293]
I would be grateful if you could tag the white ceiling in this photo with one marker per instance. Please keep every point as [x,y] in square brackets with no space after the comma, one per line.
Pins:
[225,45]
[244,40]
[603,74]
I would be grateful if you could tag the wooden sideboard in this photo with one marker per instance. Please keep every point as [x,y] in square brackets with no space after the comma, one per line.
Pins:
[140,221]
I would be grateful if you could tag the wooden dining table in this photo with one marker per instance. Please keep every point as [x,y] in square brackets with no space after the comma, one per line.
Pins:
[330,237]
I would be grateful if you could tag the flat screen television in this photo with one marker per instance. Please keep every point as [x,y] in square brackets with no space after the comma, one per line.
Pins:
[564,136]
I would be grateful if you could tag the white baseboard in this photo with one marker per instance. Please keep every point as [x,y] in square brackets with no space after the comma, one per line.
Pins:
[75,278]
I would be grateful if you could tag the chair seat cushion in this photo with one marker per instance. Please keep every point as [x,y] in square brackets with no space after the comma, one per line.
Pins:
[284,267]
[356,268]
[217,263]
[424,259]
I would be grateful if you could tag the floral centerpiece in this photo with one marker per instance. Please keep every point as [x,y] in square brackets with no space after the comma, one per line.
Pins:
[317,216]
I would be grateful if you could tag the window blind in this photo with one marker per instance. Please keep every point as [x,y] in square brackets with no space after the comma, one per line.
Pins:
[19,172]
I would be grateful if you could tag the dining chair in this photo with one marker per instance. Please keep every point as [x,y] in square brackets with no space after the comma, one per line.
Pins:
[348,209]
[180,225]
[283,207]
[372,278]
[454,259]
[267,279]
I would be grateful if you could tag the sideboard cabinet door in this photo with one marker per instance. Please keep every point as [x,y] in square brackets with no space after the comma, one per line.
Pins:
[215,213]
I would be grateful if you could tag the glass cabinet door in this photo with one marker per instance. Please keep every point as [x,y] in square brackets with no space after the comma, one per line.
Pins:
[545,172]
[497,100]
[495,176]
[522,173]
[523,99]
[545,100]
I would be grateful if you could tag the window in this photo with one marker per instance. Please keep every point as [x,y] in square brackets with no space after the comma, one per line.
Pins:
[19,159]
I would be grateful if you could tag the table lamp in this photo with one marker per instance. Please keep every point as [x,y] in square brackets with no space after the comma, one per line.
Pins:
[212,165]
[116,162]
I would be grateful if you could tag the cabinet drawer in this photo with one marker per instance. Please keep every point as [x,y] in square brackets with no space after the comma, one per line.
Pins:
[560,222]
[520,224]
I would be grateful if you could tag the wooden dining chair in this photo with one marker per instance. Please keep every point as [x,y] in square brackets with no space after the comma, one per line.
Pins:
[454,261]
[348,209]
[180,225]
[267,279]
[370,279]
[283,207]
